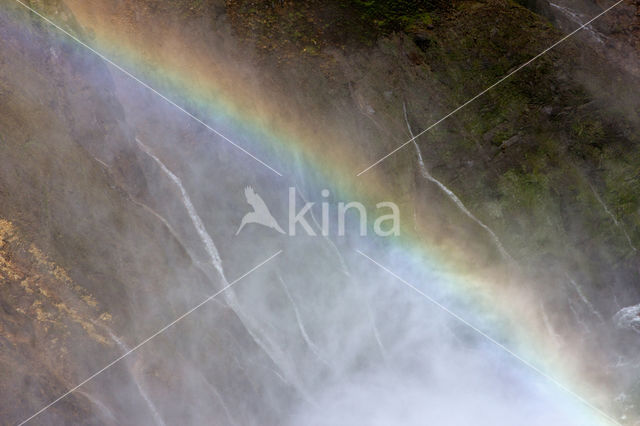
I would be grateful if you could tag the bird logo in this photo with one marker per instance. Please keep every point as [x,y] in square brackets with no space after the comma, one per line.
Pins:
[260,214]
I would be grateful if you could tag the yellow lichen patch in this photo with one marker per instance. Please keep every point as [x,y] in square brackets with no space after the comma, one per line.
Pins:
[40,314]
[89,300]
[7,235]
[55,270]
[86,325]
[44,286]
[26,285]
[8,270]
[7,231]
[106,317]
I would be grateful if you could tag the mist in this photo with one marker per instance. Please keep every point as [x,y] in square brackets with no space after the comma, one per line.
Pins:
[449,323]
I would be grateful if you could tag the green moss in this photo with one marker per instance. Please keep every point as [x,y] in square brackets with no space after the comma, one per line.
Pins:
[589,131]
[398,15]
[522,190]
[534,192]
[622,182]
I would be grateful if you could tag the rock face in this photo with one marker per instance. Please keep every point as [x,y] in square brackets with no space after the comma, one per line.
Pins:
[73,188]
[116,215]
[617,33]
[42,304]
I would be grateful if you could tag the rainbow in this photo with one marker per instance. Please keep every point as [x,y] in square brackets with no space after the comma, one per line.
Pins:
[225,89]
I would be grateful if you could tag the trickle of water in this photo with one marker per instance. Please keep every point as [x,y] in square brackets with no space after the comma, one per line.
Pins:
[301,327]
[152,408]
[577,18]
[255,330]
[452,196]
[584,299]
[547,323]
[103,408]
[347,273]
[613,218]
[212,251]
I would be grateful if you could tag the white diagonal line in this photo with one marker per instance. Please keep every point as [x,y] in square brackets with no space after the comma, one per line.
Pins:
[491,339]
[133,77]
[562,40]
[162,330]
